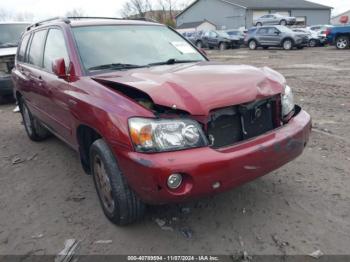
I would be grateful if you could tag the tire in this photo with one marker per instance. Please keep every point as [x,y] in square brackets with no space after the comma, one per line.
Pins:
[211,47]
[258,24]
[119,202]
[265,47]
[283,22]
[222,46]
[300,47]
[287,44]
[199,44]
[312,43]
[34,129]
[253,45]
[342,42]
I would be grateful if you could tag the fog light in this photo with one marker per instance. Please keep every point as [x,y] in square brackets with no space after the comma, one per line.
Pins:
[174,181]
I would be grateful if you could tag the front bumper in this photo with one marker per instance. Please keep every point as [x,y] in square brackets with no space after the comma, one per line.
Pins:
[6,86]
[203,167]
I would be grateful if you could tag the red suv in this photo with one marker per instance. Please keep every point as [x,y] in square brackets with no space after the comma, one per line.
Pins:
[154,121]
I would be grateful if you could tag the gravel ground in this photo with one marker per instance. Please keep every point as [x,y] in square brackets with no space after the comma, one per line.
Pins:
[45,198]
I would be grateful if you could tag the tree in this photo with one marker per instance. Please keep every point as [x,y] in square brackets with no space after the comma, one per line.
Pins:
[136,8]
[76,12]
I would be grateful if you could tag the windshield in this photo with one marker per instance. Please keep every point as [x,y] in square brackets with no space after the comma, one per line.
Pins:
[10,34]
[131,45]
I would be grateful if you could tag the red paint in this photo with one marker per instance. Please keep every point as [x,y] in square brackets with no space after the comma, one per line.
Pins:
[64,104]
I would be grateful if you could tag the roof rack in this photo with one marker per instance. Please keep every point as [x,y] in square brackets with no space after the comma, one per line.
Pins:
[68,19]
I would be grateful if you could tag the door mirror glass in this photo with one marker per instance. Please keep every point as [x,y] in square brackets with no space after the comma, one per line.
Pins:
[59,68]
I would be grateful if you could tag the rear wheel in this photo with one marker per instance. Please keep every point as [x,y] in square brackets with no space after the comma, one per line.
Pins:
[35,130]
[119,202]
[342,42]
[253,45]
[222,46]
[199,44]
[287,44]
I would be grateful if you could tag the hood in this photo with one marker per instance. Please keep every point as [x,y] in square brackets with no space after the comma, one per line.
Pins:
[8,51]
[199,88]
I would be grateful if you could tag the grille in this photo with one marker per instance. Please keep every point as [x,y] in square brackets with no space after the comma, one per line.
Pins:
[230,125]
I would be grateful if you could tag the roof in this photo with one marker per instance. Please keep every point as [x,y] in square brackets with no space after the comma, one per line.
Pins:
[277,4]
[269,4]
[91,22]
[193,24]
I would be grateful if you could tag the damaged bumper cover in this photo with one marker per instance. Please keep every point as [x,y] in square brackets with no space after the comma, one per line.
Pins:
[208,171]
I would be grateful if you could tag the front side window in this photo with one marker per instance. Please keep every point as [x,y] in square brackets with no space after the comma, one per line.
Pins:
[35,56]
[23,48]
[263,31]
[55,48]
[132,45]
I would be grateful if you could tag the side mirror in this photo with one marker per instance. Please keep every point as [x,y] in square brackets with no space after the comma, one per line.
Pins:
[59,68]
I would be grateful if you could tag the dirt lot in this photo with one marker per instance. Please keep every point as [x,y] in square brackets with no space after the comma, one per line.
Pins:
[45,198]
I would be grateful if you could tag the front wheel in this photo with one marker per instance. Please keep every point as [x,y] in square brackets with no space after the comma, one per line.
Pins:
[222,46]
[119,202]
[283,22]
[258,24]
[312,43]
[342,42]
[34,129]
[287,44]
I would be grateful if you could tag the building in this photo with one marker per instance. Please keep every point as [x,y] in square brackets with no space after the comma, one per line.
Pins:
[336,19]
[228,14]
[196,26]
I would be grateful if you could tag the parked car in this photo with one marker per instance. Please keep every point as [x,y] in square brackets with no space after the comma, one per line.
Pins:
[236,35]
[275,36]
[318,28]
[314,38]
[10,33]
[339,36]
[153,124]
[195,38]
[275,19]
[219,39]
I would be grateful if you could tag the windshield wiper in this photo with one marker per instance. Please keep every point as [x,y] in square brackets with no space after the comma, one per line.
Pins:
[115,66]
[173,61]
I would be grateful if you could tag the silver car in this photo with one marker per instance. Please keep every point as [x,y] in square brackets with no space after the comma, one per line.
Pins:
[275,19]
[275,36]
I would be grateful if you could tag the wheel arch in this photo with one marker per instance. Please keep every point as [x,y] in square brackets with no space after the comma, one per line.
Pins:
[86,136]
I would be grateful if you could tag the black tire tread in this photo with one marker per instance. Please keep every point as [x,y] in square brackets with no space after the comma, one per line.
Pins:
[129,207]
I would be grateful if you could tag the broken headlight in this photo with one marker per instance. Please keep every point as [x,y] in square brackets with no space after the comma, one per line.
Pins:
[161,135]
[287,102]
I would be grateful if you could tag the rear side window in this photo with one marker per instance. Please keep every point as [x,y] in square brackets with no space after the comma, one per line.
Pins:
[263,31]
[55,48]
[23,48]
[36,48]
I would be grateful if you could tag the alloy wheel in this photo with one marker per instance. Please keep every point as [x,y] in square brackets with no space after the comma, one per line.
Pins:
[287,45]
[103,183]
[342,43]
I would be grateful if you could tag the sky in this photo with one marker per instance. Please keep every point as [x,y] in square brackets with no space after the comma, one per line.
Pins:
[49,8]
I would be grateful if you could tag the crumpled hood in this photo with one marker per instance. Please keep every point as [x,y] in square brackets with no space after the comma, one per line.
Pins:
[8,51]
[199,88]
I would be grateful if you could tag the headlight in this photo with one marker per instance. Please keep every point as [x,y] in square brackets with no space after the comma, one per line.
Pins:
[159,135]
[287,102]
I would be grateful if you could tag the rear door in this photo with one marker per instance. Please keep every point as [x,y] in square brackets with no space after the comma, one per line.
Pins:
[60,101]
[36,95]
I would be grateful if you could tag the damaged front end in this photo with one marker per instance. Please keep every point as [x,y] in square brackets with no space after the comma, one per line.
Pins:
[176,129]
